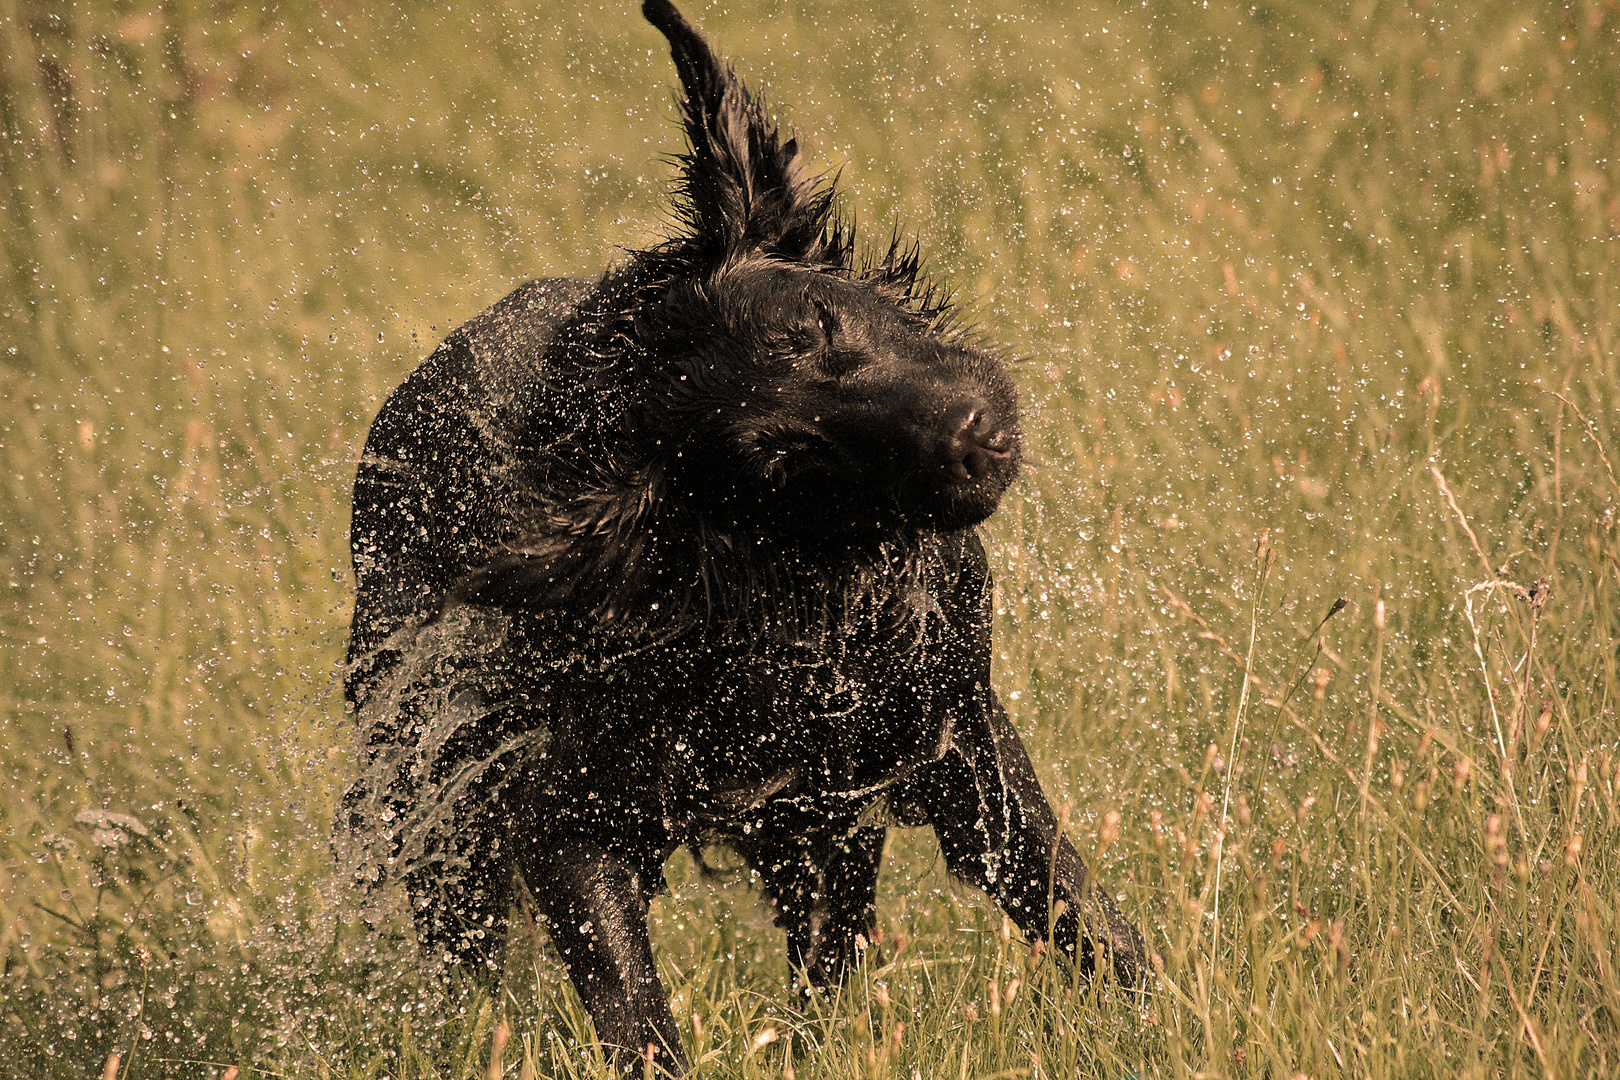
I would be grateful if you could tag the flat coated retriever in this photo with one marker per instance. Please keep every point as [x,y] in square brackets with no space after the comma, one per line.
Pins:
[687,555]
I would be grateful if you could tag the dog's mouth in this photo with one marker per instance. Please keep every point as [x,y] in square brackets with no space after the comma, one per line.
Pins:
[964,462]
[971,487]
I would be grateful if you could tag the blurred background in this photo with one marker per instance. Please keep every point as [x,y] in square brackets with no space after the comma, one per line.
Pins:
[1341,274]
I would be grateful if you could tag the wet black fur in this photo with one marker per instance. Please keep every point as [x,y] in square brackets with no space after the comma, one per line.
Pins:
[687,555]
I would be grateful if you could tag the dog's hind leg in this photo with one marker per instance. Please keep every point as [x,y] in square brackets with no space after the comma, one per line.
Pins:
[824,887]
[461,915]
[594,902]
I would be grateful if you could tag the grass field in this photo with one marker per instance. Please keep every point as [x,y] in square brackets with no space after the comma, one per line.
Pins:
[1315,301]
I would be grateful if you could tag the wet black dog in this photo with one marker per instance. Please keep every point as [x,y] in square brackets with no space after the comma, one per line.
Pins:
[687,555]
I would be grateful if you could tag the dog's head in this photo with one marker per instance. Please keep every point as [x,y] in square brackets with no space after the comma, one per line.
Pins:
[787,385]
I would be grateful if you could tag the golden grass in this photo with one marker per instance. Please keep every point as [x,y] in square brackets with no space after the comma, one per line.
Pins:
[1338,275]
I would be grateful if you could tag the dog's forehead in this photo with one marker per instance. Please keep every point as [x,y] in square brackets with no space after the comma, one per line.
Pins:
[780,276]
[793,288]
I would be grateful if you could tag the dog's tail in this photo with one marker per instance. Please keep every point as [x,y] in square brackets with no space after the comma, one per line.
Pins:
[742,189]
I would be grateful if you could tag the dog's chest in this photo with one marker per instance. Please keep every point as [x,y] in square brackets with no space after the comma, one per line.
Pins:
[798,723]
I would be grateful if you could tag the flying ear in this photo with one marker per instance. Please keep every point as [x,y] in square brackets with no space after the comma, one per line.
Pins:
[742,190]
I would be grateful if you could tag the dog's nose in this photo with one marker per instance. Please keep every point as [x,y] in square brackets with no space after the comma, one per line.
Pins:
[977,441]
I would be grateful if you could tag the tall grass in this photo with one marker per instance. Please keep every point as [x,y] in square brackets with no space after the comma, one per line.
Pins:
[1340,276]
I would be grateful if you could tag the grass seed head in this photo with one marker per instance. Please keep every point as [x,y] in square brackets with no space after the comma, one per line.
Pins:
[1428,389]
[497,1049]
[1496,841]
[1424,743]
[1108,831]
[1336,945]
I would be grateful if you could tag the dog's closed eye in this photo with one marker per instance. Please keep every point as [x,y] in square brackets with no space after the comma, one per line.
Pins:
[825,320]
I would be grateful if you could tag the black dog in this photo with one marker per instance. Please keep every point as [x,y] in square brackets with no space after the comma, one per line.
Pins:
[687,555]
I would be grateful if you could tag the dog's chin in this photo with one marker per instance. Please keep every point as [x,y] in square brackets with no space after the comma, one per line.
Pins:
[822,506]
[842,522]
[955,507]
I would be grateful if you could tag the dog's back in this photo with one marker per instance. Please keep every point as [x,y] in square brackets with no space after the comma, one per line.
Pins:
[428,492]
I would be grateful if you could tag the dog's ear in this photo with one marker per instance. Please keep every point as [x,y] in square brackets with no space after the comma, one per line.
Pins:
[742,189]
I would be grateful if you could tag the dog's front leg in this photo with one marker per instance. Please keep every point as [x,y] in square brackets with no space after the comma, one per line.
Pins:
[997,830]
[594,902]
[824,886]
